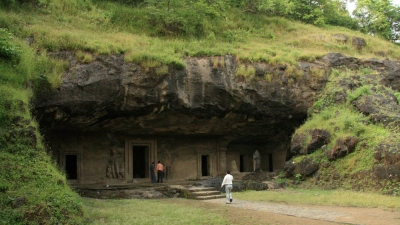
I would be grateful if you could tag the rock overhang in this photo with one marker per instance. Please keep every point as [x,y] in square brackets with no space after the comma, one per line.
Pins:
[113,96]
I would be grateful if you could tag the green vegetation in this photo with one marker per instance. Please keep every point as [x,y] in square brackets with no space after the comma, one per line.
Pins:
[374,17]
[158,34]
[323,197]
[136,211]
[32,190]
[342,120]
[168,31]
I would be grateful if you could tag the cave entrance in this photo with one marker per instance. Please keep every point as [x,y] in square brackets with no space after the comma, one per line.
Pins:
[140,161]
[205,165]
[71,167]
[270,165]
[139,154]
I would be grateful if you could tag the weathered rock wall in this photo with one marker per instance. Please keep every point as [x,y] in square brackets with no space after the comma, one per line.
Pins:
[110,95]
[204,110]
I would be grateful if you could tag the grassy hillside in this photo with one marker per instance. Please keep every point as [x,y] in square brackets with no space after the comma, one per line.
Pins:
[341,118]
[110,28]
[32,190]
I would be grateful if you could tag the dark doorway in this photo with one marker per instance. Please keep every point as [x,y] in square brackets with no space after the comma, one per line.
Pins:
[140,161]
[241,163]
[205,165]
[71,167]
[270,166]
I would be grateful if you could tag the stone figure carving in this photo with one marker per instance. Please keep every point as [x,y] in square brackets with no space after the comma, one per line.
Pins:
[115,162]
[121,174]
[234,169]
[256,161]
[109,172]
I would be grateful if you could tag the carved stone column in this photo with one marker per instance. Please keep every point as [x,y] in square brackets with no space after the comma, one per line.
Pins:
[222,160]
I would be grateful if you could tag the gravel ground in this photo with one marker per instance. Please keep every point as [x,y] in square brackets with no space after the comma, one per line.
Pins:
[339,215]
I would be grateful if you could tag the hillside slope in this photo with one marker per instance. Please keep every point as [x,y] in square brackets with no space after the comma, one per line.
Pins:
[33,191]
[351,137]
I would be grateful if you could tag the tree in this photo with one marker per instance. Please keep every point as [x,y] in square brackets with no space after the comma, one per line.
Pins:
[317,12]
[183,17]
[321,12]
[379,17]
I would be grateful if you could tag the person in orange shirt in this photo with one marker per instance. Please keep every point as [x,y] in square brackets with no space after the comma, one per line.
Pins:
[160,172]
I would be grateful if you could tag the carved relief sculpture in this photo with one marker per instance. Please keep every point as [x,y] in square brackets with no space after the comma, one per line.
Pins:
[121,174]
[109,172]
[116,167]
[256,161]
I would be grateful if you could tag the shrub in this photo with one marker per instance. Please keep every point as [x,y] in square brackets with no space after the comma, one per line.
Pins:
[397,94]
[8,50]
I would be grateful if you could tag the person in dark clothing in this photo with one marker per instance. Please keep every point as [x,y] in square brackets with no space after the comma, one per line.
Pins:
[153,173]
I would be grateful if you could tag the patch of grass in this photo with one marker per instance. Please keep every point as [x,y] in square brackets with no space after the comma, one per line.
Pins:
[364,90]
[162,70]
[318,73]
[83,58]
[268,77]
[245,70]
[323,197]
[367,71]
[136,211]
[397,94]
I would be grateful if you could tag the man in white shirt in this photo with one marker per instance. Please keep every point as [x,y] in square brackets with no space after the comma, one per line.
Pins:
[228,186]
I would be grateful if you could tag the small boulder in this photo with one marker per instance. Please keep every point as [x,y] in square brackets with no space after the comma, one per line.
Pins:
[289,168]
[306,167]
[341,38]
[359,43]
[342,147]
[298,144]
[319,138]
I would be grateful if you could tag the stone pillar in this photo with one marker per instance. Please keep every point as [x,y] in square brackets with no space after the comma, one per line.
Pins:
[256,161]
[222,160]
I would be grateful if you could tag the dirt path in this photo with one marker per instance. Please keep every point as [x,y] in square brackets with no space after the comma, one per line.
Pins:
[272,213]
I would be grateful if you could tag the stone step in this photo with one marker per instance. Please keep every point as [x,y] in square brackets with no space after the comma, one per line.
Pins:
[201,189]
[210,197]
[204,193]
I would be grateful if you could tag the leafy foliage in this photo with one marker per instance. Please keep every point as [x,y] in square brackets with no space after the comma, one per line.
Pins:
[8,50]
[379,17]
[364,90]
[189,18]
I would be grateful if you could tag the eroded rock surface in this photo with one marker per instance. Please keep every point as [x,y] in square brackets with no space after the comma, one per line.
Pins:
[110,95]
[342,147]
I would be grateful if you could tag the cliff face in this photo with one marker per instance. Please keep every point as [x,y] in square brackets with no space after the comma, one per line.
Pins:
[206,98]
[210,99]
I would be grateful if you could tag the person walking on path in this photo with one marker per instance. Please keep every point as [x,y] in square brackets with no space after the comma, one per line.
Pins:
[153,172]
[160,172]
[228,186]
